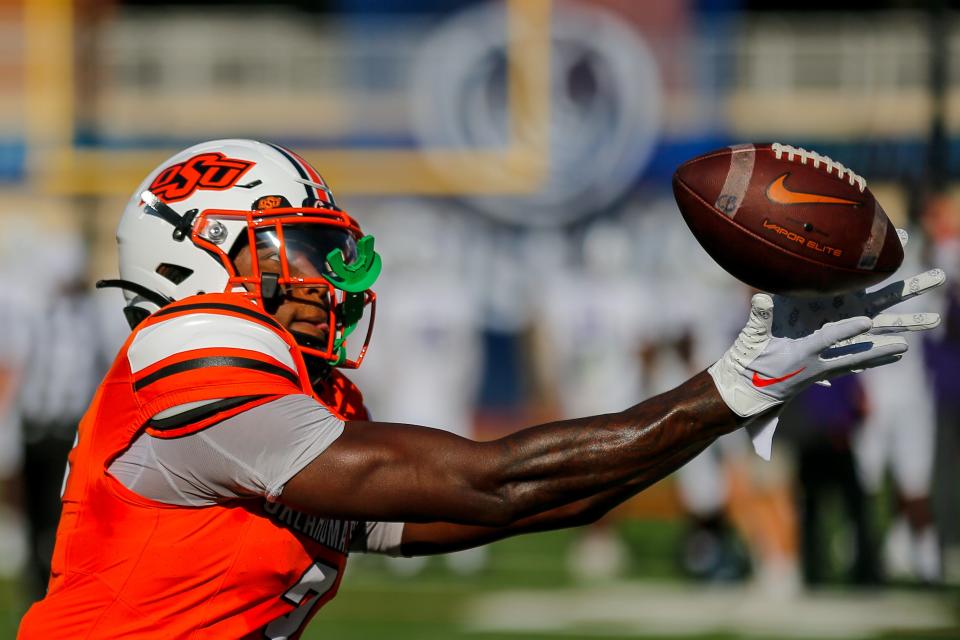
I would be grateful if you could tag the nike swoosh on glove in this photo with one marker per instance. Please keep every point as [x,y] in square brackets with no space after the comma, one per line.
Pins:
[761,371]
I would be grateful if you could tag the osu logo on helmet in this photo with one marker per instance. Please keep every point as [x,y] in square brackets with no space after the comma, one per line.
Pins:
[270,202]
[213,171]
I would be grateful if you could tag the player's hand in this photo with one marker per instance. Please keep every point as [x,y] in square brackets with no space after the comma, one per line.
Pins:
[761,370]
[789,343]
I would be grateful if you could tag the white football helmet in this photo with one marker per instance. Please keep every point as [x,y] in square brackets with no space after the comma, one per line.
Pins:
[185,224]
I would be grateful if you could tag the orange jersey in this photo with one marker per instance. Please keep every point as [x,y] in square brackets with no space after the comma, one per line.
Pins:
[128,567]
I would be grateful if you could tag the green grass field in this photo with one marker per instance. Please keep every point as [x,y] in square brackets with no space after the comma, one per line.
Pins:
[526,593]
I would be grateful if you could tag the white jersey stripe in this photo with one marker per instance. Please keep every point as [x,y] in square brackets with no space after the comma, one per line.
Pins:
[205,331]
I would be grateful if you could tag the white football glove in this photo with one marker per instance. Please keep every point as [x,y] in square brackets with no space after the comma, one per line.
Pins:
[789,343]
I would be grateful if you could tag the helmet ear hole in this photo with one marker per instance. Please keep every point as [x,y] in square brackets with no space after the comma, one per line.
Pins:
[174,272]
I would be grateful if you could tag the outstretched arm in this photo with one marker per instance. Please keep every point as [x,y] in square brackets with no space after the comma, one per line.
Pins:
[396,473]
[378,471]
[666,437]
[430,538]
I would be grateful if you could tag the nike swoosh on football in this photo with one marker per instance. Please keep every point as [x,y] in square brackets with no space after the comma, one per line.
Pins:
[779,192]
[766,382]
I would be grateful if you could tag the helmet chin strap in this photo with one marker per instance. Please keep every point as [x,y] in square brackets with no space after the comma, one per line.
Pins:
[271,292]
[318,369]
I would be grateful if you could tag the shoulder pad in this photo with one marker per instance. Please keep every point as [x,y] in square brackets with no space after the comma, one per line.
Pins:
[227,325]
[208,350]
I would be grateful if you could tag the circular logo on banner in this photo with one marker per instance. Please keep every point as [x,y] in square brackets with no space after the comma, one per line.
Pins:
[604,107]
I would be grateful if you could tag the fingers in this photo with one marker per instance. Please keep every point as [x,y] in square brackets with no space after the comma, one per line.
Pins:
[863,352]
[761,313]
[903,236]
[897,322]
[895,292]
[840,331]
[761,302]
[876,362]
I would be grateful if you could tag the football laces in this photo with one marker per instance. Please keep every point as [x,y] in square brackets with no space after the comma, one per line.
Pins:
[830,165]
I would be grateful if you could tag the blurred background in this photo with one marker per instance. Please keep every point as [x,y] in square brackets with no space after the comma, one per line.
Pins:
[513,160]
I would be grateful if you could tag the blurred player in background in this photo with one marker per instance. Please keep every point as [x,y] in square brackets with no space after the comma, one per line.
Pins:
[18,299]
[899,436]
[821,424]
[227,467]
[941,221]
[56,354]
[64,364]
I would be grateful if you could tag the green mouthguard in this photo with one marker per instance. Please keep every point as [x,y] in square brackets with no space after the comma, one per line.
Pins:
[353,278]
[359,275]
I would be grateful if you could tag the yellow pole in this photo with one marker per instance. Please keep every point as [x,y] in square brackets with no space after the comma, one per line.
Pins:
[48,80]
[528,73]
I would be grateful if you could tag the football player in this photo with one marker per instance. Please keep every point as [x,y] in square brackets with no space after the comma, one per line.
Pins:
[226,467]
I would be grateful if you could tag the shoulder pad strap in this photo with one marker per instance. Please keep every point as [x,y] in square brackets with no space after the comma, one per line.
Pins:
[204,417]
